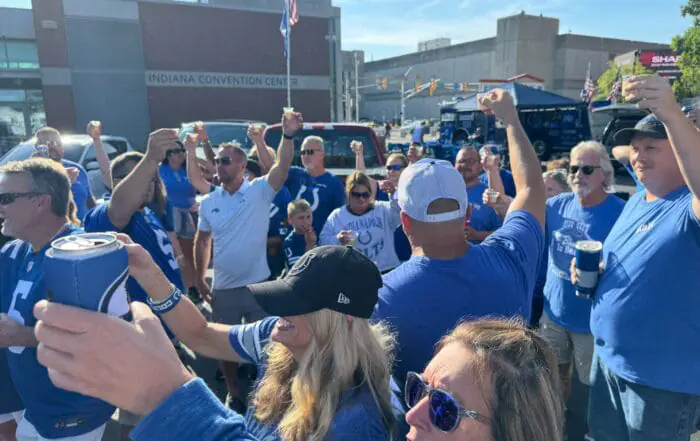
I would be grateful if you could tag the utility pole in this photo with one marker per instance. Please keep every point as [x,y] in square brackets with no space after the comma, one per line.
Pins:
[348,102]
[357,87]
[403,94]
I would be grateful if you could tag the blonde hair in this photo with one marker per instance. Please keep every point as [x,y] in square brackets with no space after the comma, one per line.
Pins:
[560,176]
[303,396]
[48,177]
[357,178]
[605,164]
[400,156]
[316,140]
[517,372]
[298,206]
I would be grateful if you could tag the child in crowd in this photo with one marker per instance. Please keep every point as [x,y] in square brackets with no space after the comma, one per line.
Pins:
[302,238]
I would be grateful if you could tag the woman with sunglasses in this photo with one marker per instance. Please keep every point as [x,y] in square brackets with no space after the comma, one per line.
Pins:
[489,380]
[364,223]
[396,163]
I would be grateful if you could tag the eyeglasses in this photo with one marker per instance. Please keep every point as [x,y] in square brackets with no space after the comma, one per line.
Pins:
[358,195]
[444,410]
[586,169]
[307,152]
[224,160]
[175,152]
[8,198]
[395,167]
[470,162]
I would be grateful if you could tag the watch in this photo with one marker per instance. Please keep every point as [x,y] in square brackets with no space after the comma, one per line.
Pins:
[290,137]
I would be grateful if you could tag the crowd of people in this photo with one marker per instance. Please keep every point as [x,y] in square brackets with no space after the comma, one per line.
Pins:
[436,302]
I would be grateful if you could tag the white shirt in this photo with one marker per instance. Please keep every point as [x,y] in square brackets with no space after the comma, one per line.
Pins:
[238,223]
[374,229]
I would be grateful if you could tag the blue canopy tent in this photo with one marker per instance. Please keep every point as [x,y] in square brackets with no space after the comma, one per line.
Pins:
[524,97]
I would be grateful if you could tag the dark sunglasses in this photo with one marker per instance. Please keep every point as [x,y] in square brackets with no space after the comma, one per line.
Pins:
[224,160]
[8,198]
[586,169]
[358,195]
[175,152]
[395,167]
[307,152]
[444,411]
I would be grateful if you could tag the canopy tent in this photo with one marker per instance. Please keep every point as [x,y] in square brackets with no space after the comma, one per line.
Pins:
[525,97]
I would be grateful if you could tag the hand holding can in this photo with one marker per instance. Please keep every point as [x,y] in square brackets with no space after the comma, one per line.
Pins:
[588,257]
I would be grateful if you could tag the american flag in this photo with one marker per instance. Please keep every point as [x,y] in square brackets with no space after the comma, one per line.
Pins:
[616,91]
[290,17]
[589,88]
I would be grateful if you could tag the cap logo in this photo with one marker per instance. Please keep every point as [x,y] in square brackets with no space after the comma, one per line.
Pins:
[301,264]
[343,300]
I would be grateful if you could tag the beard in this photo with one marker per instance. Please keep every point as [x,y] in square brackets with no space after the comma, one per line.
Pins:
[581,190]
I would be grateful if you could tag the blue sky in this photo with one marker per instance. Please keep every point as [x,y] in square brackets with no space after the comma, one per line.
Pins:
[385,28]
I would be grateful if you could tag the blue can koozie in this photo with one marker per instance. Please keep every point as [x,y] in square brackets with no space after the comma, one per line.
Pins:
[89,271]
[588,256]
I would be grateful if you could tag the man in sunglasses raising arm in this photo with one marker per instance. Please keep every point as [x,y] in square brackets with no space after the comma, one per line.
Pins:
[236,216]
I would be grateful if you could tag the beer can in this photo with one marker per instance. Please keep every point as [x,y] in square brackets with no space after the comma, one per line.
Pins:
[588,256]
[89,271]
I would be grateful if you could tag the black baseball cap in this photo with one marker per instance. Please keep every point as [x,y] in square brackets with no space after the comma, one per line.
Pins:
[329,277]
[648,127]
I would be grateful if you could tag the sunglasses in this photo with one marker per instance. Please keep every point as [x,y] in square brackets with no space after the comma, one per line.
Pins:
[358,195]
[444,411]
[175,152]
[395,167]
[8,198]
[586,169]
[224,160]
[307,152]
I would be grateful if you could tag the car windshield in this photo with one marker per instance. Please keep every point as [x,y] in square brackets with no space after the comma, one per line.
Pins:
[220,133]
[19,153]
[336,145]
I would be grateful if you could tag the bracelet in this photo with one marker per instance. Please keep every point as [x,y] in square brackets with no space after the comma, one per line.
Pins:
[166,305]
[289,137]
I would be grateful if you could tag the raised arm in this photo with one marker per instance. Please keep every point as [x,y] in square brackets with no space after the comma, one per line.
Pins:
[201,132]
[622,153]
[127,197]
[94,129]
[260,150]
[525,165]
[194,174]
[359,149]
[291,123]
[654,93]
[491,162]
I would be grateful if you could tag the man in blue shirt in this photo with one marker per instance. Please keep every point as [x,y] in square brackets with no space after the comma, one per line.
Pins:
[588,213]
[644,379]
[314,184]
[134,177]
[82,195]
[34,197]
[447,279]
[483,219]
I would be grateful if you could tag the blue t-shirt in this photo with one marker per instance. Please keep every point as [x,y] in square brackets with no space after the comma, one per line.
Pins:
[54,412]
[145,229]
[357,417]
[80,189]
[506,177]
[294,248]
[9,399]
[567,223]
[278,213]
[180,191]
[424,298]
[483,217]
[401,244]
[325,193]
[646,306]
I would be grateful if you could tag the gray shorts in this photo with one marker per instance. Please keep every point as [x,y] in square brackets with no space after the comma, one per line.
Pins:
[183,223]
[231,306]
[569,347]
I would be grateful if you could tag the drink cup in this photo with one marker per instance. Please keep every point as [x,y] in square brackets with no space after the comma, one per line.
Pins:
[288,112]
[588,256]
[492,195]
[89,271]
[352,238]
[481,107]
[42,151]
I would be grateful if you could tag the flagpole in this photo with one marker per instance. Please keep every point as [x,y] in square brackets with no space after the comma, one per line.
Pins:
[289,56]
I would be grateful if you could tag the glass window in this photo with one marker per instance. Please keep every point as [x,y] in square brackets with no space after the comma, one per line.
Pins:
[220,133]
[18,54]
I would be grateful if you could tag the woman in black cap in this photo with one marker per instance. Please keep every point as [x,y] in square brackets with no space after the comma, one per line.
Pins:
[324,370]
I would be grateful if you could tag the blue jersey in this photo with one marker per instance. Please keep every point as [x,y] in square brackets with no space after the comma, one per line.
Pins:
[401,244]
[506,177]
[145,229]
[325,193]
[54,412]
[80,189]
[180,191]
[567,223]
[278,213]
[9,399]
[294,248]
[483,217]
[646,306]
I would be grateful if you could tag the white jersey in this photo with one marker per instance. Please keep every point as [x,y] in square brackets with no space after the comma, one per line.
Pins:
[374,230]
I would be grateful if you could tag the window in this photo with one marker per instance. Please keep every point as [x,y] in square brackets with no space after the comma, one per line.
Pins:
[16,54]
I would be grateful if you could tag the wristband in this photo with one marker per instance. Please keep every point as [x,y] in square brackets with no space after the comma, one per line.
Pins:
[289,137]
[168,304]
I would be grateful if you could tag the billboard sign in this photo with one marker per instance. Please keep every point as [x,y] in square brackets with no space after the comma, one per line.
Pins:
[663,62]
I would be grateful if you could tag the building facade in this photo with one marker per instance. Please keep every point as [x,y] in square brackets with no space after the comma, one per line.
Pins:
[524,44]
[138,65]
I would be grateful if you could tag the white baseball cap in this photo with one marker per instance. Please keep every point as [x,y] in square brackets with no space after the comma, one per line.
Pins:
[429,180]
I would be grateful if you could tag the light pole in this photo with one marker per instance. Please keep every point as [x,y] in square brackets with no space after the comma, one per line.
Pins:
[332,38]
[403,93]
[357,87]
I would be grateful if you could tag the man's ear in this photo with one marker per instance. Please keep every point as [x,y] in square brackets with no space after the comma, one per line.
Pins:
[406,223]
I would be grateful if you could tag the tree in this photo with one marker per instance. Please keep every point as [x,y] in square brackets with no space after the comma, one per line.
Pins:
[688,44]
[607,80]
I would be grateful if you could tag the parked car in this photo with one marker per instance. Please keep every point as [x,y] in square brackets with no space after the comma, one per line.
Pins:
[619,116]
[340,160]
[222,131]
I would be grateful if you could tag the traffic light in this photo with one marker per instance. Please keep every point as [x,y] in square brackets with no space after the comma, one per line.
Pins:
[385,83]
[433,87]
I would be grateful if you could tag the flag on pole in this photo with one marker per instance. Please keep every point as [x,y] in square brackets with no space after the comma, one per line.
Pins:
[616,91]
[290,17]
[589,88]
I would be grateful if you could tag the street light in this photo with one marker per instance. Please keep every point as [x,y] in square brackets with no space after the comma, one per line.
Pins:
[403,93]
